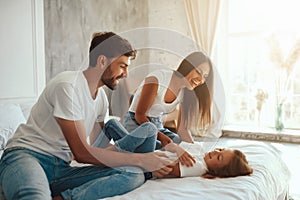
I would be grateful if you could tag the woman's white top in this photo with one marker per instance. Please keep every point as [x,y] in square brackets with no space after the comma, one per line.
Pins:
[159,106]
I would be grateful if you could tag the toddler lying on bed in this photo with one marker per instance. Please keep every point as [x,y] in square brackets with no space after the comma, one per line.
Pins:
[217,163]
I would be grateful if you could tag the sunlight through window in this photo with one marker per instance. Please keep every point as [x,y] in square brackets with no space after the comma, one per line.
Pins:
[258,53]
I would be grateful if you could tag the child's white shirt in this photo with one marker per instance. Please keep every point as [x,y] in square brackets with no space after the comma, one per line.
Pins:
[199,168]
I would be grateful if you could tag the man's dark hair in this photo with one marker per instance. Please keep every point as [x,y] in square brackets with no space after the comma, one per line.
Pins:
[110,45]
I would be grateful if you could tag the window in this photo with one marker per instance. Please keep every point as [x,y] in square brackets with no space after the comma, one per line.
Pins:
[253,34]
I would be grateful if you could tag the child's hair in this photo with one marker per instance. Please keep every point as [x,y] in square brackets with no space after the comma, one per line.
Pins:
[237,166]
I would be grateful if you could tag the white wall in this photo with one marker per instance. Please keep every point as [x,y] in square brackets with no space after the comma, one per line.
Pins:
[169,15]
[22,62]
[167,38]
[69,26]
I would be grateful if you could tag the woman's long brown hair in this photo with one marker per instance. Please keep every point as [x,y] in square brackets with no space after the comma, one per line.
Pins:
[196,105]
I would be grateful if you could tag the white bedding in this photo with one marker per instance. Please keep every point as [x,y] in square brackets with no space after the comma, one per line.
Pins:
[269,180]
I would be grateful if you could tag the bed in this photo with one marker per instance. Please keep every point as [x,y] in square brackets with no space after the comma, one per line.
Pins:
[269,180]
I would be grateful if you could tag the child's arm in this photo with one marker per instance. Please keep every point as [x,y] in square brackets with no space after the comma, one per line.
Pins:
[175,170]
[183,156]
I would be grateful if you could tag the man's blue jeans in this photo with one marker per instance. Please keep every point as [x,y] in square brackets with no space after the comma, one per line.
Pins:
[26,174]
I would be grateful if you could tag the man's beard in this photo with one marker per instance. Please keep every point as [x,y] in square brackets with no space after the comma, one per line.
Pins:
[109,83]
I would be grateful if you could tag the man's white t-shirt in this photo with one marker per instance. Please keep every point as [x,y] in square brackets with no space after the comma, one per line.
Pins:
[67,96]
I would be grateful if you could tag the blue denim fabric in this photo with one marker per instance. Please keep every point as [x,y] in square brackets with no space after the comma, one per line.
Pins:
[26,174]
[130,124]
[140,140]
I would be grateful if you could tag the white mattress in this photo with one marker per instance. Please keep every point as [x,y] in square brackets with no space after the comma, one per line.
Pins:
[269,180]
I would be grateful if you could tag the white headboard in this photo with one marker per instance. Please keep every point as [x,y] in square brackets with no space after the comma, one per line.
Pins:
[22,62]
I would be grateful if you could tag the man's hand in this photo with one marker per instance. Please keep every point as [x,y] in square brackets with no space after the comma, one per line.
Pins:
[157,163]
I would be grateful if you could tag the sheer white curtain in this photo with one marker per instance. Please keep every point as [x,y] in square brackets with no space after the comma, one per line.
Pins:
[202,16]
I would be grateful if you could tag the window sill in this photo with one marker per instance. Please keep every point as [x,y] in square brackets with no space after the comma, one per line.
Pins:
[261,133]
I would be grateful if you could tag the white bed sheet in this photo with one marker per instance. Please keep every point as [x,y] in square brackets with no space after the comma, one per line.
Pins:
[269,180]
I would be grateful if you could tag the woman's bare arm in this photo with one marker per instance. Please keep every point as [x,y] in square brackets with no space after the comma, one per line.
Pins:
[147,97]
[145,102]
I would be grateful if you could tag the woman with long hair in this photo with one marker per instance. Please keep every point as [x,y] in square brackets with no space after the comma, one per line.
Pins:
[190,87]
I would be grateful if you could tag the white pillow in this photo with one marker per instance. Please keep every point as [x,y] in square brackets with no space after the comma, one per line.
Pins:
[5,134]
[11,117]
